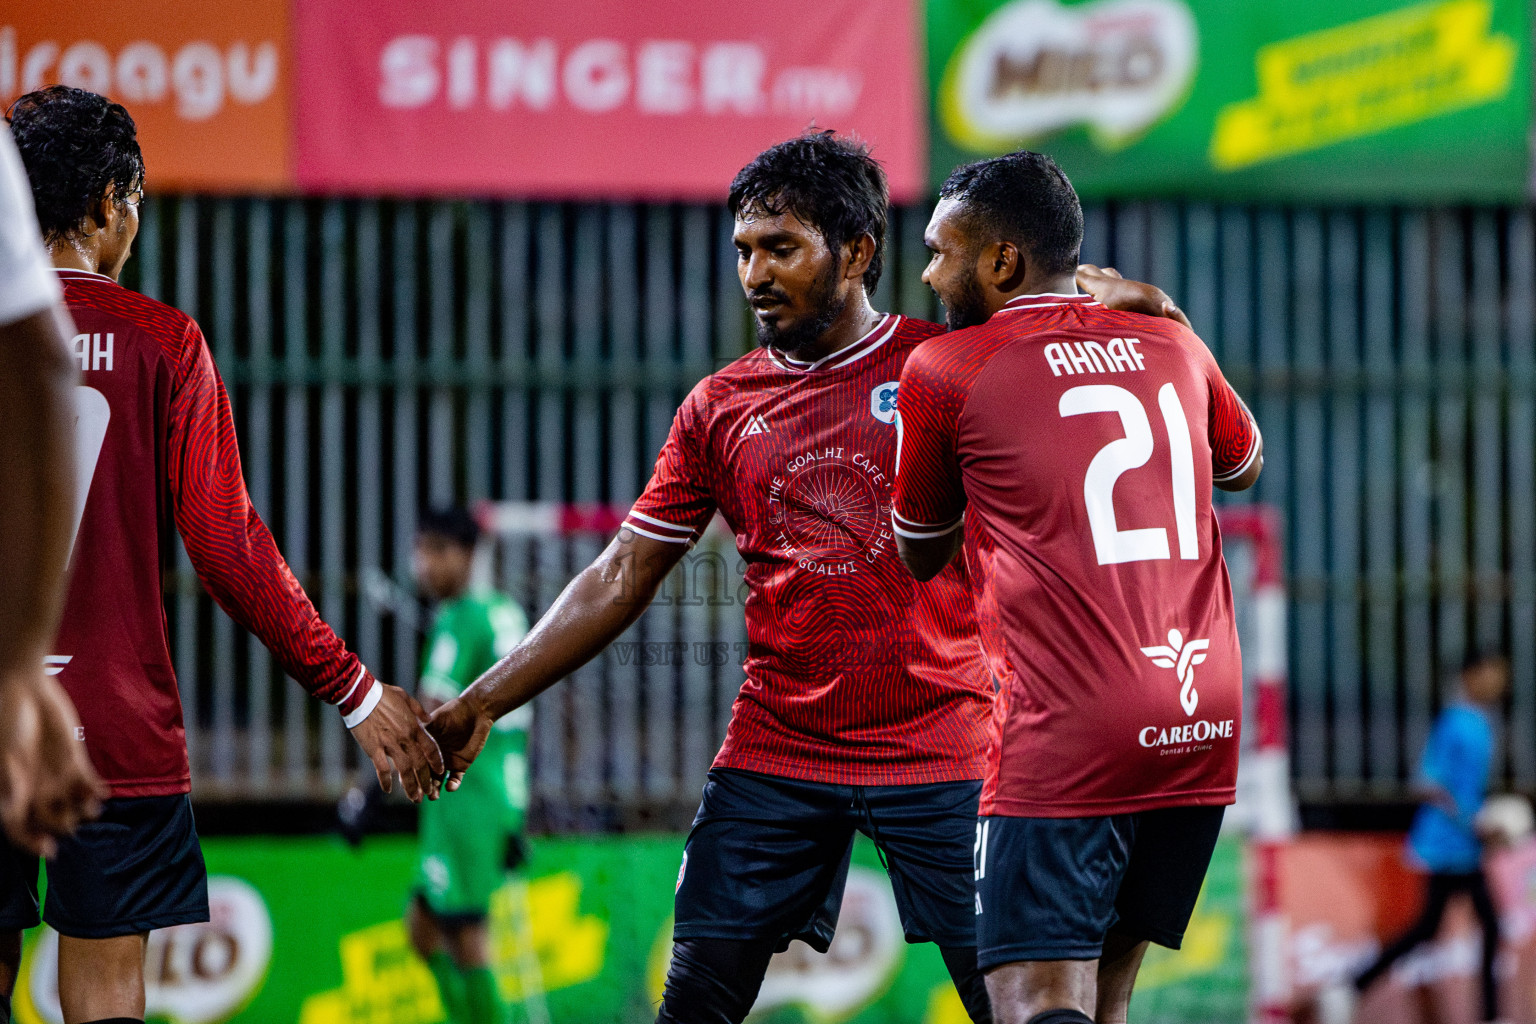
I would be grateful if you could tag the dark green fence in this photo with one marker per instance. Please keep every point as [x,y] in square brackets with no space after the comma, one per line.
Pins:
[384,355]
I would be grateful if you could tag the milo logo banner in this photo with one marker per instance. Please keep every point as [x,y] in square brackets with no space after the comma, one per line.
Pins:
[1353,100]
[305,931]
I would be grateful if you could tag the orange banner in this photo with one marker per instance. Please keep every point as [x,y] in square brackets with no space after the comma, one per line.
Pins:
[207,81]
[1348,894]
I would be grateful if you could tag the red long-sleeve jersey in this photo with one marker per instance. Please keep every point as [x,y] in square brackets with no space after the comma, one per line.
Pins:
[156,449]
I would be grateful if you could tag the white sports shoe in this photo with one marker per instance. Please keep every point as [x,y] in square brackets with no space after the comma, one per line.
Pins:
[1336,1003]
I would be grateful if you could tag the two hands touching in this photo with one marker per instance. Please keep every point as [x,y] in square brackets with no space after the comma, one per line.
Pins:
[395,740]
[579,626]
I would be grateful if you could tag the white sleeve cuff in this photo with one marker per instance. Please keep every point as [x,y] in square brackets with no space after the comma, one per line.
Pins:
[924,531]
[1254,443]
[370,701]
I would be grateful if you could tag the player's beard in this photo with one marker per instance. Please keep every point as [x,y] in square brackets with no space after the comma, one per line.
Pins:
[967,306]
[823,305]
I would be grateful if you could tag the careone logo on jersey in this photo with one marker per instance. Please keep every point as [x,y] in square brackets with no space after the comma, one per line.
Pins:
[1035,67]
[1182,656]
[882,402]
[193,973]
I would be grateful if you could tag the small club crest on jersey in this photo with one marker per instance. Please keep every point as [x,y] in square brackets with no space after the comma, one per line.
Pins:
[755,425]
[1182,657]
[882,402]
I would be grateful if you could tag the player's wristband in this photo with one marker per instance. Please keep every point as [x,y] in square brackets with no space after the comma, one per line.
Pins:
[370,701]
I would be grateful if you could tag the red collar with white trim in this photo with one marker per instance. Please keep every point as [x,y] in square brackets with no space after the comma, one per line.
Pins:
[70,273]
[873,339]
[1047,299]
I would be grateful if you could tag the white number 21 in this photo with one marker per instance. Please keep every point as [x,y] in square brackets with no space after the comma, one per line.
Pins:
[1111,544]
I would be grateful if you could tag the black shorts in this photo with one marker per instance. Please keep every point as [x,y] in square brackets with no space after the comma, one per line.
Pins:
[1051,888]
[136,868]
[768,857]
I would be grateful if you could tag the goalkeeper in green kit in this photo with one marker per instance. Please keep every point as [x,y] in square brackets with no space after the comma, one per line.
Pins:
[471,838]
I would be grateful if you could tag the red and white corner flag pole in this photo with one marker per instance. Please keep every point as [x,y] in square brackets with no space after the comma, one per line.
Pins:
[1274,821]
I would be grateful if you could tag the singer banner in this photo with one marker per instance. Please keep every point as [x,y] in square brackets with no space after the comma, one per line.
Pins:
[603,99]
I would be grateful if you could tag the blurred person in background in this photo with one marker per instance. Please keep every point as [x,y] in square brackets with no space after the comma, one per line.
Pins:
[866,700]
[471,839]
[1446,840]
[157,455]
[47,784]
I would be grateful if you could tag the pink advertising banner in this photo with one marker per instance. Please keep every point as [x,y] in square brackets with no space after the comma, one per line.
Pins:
[609,98]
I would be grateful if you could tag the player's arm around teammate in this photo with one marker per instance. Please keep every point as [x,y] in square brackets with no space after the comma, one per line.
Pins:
[1115,292]
[46,781]
[994,267]
[926,557]
[1005,240]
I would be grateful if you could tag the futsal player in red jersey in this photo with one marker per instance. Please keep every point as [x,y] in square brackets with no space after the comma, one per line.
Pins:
[866,699]
[1071,450]
[156,450]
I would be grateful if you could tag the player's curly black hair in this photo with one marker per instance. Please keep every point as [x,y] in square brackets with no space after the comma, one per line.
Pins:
[74,144]
[1023,198]
[828,181]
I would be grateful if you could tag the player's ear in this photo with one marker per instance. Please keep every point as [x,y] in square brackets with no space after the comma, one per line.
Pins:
[861,250]
[1008,266]
[103,213]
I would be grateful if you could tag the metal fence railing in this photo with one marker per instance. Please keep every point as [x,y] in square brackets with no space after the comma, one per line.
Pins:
[383,355]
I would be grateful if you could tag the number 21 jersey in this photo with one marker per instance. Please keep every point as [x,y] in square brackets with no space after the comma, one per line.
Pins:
[1078,446]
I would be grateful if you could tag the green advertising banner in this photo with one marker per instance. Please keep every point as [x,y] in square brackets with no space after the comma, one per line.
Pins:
[1288,100]
[306,931]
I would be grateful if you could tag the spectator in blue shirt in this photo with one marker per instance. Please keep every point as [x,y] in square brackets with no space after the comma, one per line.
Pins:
[1453,782]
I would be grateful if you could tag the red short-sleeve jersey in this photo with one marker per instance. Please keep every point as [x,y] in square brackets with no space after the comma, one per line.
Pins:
[856,674]
[1078,446]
